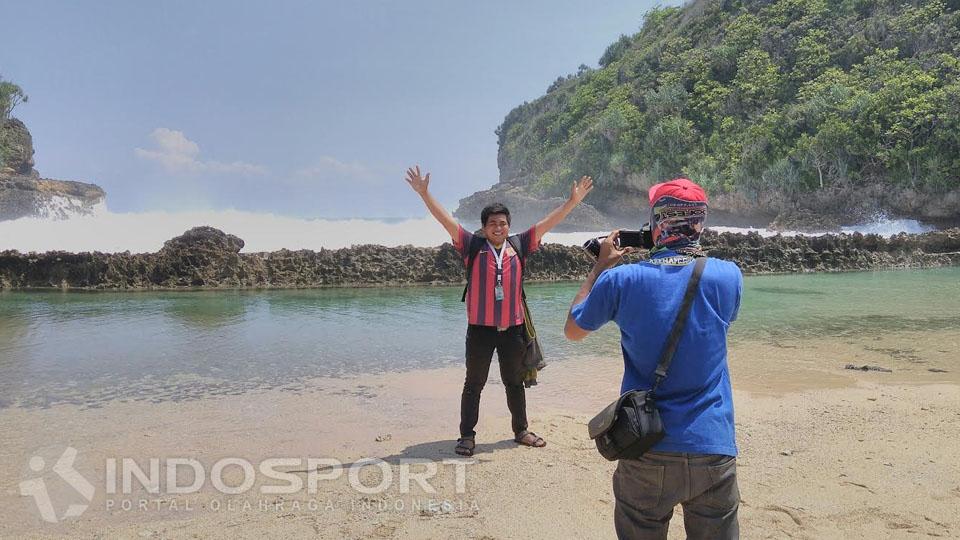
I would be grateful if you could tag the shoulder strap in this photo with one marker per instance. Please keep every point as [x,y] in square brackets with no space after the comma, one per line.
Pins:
[674,338]
[515,242]
[521,253]
[476,244]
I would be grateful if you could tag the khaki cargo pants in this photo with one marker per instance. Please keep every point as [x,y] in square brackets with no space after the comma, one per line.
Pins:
[648,488]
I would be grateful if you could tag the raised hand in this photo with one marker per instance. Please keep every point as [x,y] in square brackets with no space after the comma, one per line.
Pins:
[577,193]
[580,189]
[417,182]
[420,183]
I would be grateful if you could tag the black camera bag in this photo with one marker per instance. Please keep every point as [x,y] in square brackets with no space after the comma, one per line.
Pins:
[628,427]
[631,425]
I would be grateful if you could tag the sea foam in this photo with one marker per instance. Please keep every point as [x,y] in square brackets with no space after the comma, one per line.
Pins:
[144,232]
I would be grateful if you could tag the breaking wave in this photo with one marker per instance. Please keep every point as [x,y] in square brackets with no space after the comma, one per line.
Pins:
[884,226]
[144,232]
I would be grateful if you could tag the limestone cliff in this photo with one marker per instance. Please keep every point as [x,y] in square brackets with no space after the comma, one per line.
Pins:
[23,193]
[796,114]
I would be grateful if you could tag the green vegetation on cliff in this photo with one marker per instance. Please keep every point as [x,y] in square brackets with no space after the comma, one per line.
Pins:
[11,95]
[748,97]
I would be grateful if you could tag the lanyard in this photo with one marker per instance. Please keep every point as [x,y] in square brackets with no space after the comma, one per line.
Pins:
[499,258]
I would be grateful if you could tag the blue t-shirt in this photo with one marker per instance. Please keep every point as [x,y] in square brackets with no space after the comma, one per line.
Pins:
[695,399]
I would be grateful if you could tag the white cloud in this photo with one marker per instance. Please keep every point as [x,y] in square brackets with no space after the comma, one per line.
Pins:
[178,154]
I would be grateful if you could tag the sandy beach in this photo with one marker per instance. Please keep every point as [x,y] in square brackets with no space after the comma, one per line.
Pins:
[826,452]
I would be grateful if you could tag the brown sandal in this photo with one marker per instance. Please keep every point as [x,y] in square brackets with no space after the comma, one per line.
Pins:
[529,438]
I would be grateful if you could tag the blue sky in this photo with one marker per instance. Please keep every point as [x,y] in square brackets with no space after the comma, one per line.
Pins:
[309,109]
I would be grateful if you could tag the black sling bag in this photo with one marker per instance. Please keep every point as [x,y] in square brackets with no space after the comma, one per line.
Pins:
[631,425]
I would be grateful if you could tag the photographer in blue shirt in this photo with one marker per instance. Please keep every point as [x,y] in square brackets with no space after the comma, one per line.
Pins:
[695,463]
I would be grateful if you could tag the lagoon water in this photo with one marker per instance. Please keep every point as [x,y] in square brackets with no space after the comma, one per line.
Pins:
[87,348]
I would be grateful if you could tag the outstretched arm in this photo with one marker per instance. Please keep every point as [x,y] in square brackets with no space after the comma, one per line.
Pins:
[419,184]
[577,193]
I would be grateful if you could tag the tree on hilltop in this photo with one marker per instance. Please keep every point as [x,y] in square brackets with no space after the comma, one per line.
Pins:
[11,95]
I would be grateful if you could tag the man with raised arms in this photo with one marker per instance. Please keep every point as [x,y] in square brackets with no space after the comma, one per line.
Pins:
[494,303]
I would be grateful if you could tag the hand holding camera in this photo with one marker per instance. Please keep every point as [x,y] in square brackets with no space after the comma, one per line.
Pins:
[623,239]
[611,251]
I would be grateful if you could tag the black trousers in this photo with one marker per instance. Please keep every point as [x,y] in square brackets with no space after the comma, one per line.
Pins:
[481,342]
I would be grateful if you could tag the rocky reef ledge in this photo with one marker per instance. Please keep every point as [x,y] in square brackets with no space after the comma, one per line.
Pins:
[209,258]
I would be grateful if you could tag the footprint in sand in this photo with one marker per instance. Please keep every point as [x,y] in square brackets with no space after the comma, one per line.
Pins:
[385,530]
[792,512]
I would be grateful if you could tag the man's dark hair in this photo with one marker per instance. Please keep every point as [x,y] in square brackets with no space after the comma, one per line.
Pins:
[495,208]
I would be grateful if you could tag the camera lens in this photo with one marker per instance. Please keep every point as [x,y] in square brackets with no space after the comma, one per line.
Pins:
[592,246]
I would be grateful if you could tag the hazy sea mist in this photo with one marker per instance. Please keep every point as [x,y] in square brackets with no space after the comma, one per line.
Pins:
[143,232]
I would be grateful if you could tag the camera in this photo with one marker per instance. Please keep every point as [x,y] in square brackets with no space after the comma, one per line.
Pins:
[639,239]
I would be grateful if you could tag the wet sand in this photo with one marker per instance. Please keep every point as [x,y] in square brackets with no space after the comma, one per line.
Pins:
[826,452]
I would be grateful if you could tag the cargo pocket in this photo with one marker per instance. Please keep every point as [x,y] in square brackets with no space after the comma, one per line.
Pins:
[638,485]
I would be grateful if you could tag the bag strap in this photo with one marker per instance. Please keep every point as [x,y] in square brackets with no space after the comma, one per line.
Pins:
[674,338]
[476,244]
[515,243]
[530,328]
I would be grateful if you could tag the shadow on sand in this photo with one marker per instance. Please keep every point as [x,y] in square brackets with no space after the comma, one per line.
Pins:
[427,451]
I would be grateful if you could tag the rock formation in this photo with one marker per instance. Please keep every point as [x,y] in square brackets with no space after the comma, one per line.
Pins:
[18,149]
[24,194]
[833,207]
[209,258]
[524,208]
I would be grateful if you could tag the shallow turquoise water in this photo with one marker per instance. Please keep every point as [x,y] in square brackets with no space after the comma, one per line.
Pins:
[90,347]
